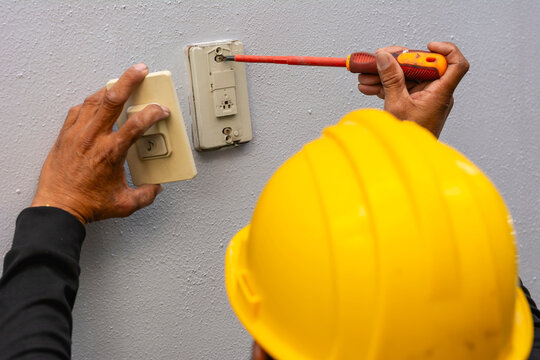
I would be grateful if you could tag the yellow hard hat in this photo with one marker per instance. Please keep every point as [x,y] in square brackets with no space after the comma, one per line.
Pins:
[376,241]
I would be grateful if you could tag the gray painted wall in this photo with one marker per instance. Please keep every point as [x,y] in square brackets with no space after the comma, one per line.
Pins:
[152,284]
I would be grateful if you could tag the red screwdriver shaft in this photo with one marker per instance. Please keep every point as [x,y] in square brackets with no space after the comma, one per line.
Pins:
[293,60]
[417,65]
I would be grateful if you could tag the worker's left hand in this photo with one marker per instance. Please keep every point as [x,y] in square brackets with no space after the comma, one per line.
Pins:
[427,103]
[84,172]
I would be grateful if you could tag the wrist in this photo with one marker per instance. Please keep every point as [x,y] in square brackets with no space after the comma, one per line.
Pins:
[42,202]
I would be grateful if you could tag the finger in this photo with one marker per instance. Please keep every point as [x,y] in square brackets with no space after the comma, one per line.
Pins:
[368,79]
[392,77]
[417,87]
[457,64]
[137,125]
[410,84]
[91,105]
[369,89]
[143,196]
[449,108]
[393,49]
[367,82]
[117,95]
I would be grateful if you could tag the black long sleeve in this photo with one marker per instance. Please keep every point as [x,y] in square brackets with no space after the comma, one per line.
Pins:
[39,285]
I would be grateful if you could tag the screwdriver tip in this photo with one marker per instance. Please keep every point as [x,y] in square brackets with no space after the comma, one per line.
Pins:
[221,58]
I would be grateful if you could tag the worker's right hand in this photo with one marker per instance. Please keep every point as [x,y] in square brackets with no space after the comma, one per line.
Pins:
[427,103]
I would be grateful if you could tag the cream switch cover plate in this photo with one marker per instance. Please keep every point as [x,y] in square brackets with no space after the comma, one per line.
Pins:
[163,153]
[219,101]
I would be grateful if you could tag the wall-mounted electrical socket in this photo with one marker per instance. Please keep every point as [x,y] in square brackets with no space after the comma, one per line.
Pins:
[163,153]
[219,99]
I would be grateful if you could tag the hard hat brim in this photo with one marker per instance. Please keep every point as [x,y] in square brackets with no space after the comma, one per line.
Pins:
[244,300]
[523,331]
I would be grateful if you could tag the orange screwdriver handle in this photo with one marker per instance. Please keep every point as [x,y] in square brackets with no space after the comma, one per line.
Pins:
[417,65]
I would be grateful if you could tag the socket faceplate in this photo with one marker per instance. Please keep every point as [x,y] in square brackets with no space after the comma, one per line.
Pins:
[163,153]
[219,100]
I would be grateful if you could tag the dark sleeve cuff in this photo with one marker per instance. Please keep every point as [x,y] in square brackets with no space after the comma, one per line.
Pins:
[49,228]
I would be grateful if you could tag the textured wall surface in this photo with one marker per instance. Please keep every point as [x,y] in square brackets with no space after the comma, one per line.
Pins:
[152,284]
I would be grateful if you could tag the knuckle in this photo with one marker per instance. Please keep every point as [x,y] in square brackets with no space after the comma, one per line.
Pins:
[146,198]
[150,114]
[126,205]
[131,137]
[392,80]
[86,143]
[154,110]
[452,47]
[74,110]
[137,125]
[464,65]
[132,205]
[112,99]
[125,138]
[112,153]
[134,200]
[90,101]
[93,99]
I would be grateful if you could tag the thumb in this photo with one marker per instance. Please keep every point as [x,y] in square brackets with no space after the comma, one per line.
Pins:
[144,195]
[392,77]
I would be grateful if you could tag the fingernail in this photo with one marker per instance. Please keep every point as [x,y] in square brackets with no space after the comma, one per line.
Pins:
[165,110]
[383,60]
[141,67]
[161,188]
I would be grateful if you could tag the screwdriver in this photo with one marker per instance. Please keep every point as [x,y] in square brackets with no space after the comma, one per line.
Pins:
[417,65]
